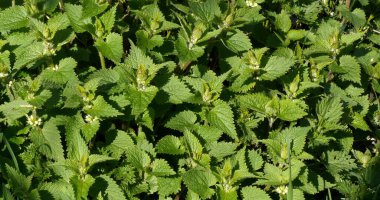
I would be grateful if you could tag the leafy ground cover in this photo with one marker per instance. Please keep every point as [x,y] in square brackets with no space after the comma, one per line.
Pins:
[142,99]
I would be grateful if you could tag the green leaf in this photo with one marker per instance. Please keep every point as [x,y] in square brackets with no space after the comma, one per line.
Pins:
[182,121]
[147,42]
[108,19]
[20,183]
[112,48]
[206,11]
[177,90]
[192,143]
[94,159]
[82,185]
[290,110]
[61,74]
[49,141]
[254,193]
[187,53]
[167,186]
[222,149]
[138,158]
[15,109]
[13,18]
[78,23]
[222,117]
[255,160]
[329,113]
[276,67]
[199,181]
[101,108]
[356,17]
[337,162]
[283,22]
[161,167]
[92,8]
[119,144]
[349,69]
[29,54]
[238,41]
[295,134]
[255,101]
[140,99]
[170,145]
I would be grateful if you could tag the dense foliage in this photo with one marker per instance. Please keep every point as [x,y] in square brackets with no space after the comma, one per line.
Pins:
[143,99]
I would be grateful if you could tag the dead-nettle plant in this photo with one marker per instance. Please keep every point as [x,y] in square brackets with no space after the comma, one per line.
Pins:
[197,99]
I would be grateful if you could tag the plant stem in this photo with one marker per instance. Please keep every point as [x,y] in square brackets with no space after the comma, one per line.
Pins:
[102,61]
[11,152]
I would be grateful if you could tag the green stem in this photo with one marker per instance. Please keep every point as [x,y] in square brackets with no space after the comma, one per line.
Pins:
[13,3]
[102,61]
[290,185]
[11,152]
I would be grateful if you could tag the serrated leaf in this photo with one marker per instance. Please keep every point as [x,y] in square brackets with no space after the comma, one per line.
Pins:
[192,143]
[295,134]
[101,108]
[177,90]
[206,11]
[78,23]
[82,185]
[254,193]
[185,53]
[182,121]
[97,158]
[276,67]
[349,69]
[290,110]
[15,109]
[13,18]
[21,184]
[167,186]
[222,149]
[29,54]
[138,158]
[60,75]
[238,41]
[89,130]
[329,113]
[283,22]
[199,181]
[108,19]
[52,138]
[161,167]
[140,99]
[112,48]
[255,160]
[255,101]
[356,17]
[92,8]
[222,117]
[121,141]
[170,145]
[107,187]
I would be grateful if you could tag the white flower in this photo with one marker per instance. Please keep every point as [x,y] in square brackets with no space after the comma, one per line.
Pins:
[90,119]
[372,60]
[55,68]
[3,74]
[33,120]
[282,190]
[251,3]
[10,83]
